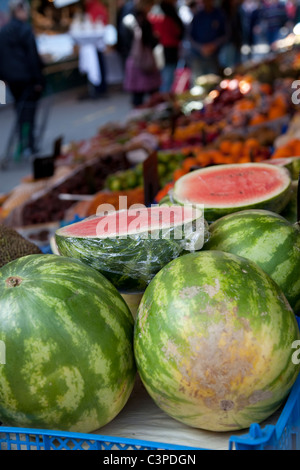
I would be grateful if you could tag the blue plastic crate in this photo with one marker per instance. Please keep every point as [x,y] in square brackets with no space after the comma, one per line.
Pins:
[284,435]
[40,439]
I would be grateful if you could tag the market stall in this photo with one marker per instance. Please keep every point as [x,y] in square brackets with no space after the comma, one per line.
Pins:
[203,328]
[60,28]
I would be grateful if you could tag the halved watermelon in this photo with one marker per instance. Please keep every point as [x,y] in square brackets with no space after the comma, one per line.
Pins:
[223,189]
[291,163]
[130,246]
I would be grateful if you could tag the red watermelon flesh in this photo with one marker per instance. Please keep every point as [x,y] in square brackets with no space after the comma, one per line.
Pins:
[135,220]
[225,188]
[130,246]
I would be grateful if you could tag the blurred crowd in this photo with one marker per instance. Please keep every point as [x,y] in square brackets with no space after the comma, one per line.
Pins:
[205,36]
[160,44]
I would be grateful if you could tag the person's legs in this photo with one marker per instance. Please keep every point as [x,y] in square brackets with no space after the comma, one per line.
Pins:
[167,77]
[102,88]
[137,98]
[26,100]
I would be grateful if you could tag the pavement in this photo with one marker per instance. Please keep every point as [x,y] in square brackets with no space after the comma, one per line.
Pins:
[67,117]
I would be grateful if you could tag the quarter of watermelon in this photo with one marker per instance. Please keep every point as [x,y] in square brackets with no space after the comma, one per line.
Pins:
[130,246]
[213,341]
[68,337]
[266,238]
[224,189]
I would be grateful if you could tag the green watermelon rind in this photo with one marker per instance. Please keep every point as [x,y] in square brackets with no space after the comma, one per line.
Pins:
[131,262]
[213,291]
[266,238]
[276,203]
[68,335]
[290,211]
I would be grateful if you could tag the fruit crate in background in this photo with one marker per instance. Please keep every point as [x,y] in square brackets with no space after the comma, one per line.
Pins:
[283,435]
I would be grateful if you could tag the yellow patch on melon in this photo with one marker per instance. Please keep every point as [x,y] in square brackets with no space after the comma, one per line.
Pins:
[74,391]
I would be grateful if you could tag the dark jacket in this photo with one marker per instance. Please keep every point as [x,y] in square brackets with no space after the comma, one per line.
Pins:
[19,58]
[148,37]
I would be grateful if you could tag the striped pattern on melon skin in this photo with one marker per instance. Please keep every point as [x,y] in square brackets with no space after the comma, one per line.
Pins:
[267,239]
[290,211]
[131,262]
[69,356]
[213,340]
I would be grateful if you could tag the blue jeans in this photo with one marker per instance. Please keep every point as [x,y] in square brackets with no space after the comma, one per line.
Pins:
[167,77]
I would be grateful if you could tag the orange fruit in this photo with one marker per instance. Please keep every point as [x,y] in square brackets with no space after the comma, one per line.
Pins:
[225,146]
[236,148]
[257,119]
[179,173]
[251,143]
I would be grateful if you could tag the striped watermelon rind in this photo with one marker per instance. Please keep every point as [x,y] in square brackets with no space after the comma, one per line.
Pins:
[212,341]
[266,238]
[130,262]
[290,211]
[68,335]
[276,201]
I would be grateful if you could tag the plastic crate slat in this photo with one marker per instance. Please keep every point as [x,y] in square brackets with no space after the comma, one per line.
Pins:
[56,440]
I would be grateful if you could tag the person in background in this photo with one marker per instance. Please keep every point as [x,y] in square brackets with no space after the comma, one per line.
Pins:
[170,31]
[138,81]
[293,14]
[98,12]
[207,34]
[188,10]
[274,17]
[22,70]
[124,36]
[250,20]
[231,51]
[297,13]
[291,10]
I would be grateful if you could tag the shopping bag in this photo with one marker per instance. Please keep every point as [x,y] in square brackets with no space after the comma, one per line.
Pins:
[182,79]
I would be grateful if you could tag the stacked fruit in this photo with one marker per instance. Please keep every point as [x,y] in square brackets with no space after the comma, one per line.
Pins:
[213,322]
[68,339]
[168,163]
[212,338]
[232,364]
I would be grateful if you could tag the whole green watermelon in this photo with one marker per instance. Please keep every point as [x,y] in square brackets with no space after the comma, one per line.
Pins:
[213,341]
[266,238]
[68,336]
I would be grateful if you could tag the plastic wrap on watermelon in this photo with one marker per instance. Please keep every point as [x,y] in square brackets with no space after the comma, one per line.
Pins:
[130,246]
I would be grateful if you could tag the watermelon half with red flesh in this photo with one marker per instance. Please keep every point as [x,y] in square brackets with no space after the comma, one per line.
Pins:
[291,163]
[130,246]
[223,189]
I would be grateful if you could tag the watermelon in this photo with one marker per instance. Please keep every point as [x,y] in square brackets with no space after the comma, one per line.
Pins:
[266,238]
[228,188]
[130,246]
[68,336]
[213,341]
[291,163]
[290,211]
